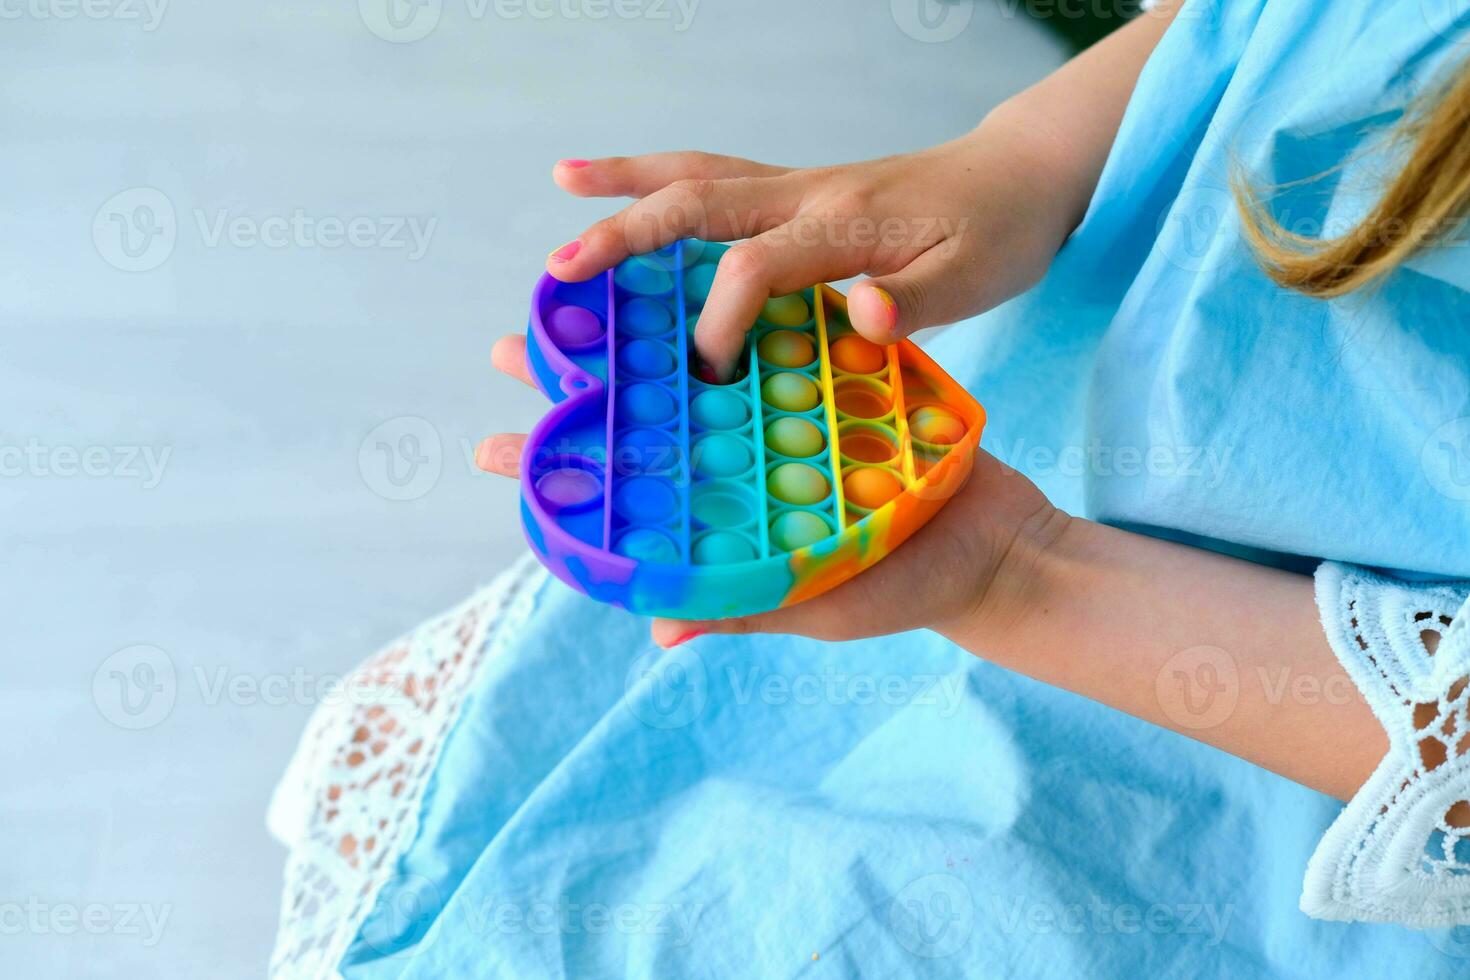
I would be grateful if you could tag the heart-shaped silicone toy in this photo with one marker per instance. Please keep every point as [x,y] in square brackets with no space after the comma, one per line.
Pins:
[650,489]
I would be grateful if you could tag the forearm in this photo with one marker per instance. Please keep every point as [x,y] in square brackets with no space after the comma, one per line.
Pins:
[1226,651]
[1064,125]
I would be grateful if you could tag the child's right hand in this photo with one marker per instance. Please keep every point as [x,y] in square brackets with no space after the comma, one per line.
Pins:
[945,232]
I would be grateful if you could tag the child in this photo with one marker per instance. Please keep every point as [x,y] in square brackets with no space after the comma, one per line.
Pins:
[1228,326]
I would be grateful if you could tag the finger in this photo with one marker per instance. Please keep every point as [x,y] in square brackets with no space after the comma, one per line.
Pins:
[501,454]
[927,292]
[639,176]
[717,210]
[780,261]
[509,357]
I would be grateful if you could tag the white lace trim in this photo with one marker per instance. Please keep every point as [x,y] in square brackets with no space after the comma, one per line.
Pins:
[348,804]
[1400,851]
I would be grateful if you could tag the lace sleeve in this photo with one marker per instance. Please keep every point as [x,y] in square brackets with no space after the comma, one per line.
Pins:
[349,802]
[1400,851]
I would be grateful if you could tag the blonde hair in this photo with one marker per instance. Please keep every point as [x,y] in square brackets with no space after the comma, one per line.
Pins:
[1419,207]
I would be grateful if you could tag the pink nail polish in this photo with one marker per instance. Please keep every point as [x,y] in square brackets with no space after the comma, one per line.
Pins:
[685,638]
[567,252]
[574,164]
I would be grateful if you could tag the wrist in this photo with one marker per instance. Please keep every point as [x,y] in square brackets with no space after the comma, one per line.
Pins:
[1044,159]
[1029,576]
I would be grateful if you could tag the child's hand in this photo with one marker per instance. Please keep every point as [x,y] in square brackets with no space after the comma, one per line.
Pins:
[969,565]
[946,232]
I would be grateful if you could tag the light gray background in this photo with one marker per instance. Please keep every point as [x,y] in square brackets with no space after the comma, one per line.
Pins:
[267,547]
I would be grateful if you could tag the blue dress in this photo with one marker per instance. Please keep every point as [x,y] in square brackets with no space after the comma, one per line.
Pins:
[772,807]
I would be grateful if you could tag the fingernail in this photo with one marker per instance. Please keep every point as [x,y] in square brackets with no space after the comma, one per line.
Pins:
[707,374]
[483,453]
[685,638]
[574,164]
[567,251]
[889,306]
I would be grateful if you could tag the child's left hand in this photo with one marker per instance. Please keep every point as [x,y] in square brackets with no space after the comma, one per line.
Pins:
[944,577]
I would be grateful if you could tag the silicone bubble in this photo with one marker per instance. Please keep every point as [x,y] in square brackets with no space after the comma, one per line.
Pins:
[787,348]
[646,404]
[723,548]
[646,359]
[870,486]
[786,311]
[569,487]
[646,544]
[643,278]
[697,281]
[936,425]
[860,398]
[722,455]
[645,500]
[790,392]
[645,451]
[571,327]
[797,483]
[797,529]
[722,506]
[794,437]
[867,442]
[719,410]
[645,318]
[857,355]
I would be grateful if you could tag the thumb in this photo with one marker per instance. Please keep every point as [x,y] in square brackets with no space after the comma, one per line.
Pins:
[925,293]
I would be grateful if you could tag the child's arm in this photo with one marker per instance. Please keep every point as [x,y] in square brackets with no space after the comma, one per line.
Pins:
[946,232]
[1225,651]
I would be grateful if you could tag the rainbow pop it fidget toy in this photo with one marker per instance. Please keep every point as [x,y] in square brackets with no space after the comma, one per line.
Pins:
[647,488]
